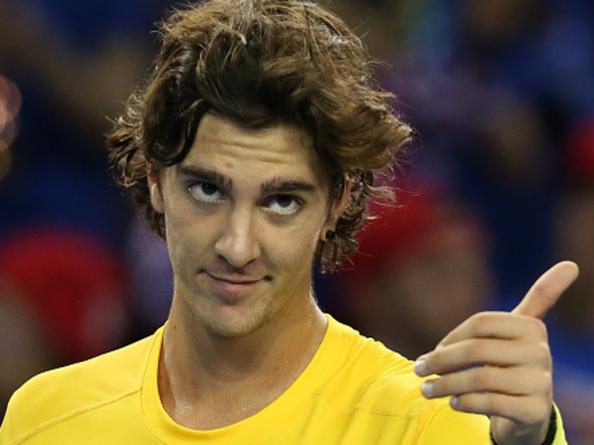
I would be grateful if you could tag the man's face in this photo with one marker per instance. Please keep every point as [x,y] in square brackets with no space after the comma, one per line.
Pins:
[244,212]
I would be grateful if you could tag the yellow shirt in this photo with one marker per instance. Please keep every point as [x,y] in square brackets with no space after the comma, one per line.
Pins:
[354,392]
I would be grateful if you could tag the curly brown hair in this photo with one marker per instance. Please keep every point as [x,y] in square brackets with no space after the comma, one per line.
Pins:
[258,63]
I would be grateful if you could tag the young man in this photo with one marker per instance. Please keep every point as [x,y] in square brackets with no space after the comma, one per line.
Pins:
[252,150]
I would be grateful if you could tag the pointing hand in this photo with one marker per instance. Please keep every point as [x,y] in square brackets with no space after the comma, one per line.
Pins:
[499,363]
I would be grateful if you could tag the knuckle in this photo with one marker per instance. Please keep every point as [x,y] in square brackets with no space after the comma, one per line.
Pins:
[482,322]
[482,378]
[547,381]
[542,352]
[481,317]
[537,383]
[475,320]
[539,327]
[491,404]
[473,349]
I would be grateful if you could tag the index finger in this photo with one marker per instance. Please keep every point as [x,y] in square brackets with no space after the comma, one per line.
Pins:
[495,325]
[545,292]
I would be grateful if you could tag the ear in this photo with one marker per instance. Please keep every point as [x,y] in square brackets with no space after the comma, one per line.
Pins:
[337,207]
[154,184]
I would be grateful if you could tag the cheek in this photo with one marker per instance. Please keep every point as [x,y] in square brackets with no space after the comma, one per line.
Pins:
[188,235]
[293,248]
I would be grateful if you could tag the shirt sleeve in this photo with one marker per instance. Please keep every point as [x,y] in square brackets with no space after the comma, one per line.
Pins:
[560,433]
[6,433]
[447,426]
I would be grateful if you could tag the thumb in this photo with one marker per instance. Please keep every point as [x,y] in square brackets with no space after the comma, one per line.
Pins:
[545,292]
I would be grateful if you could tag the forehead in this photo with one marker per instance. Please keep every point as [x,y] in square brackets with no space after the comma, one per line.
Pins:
[281,150]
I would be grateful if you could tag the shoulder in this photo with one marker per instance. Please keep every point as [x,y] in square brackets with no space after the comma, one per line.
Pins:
[382,382]
[379,380]
[57,394]
[391,387]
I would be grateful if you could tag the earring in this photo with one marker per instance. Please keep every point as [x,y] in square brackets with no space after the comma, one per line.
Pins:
[330,235]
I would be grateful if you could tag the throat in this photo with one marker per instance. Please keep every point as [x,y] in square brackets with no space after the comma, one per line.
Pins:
[220,410]
[213,388]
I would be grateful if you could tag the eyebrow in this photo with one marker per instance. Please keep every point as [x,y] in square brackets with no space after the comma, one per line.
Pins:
[274,185]
[207,175]
[280,185]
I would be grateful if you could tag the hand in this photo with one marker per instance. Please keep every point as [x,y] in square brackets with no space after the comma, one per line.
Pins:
[499,364]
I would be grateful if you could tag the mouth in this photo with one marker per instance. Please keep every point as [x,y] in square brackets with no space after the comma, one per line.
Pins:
[231,289]
[235,281]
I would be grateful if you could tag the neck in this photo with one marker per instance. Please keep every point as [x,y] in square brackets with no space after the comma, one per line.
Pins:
[226,379]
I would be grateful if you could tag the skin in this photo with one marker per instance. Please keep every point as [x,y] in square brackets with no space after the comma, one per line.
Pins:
[243,323]
[511,365]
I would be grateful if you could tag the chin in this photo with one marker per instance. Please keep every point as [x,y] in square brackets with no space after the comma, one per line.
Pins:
[233,322]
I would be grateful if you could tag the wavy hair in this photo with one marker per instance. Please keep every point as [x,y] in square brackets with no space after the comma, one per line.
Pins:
[258,63]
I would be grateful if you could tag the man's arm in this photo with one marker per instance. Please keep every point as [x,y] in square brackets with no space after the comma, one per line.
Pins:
[499,364]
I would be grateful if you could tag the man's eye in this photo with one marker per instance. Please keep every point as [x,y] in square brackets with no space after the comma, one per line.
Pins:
[284,204]
[205,192]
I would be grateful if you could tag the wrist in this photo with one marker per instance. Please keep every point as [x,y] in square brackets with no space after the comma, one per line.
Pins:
[551,430]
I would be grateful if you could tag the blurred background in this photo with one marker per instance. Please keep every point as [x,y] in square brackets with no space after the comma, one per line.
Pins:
[498,185]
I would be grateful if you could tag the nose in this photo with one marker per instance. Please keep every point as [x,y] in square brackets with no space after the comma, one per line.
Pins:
[238,243]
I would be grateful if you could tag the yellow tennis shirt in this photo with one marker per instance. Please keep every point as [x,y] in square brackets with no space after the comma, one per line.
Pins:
[354,391]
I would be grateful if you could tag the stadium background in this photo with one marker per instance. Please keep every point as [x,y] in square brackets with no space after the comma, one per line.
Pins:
[498,185]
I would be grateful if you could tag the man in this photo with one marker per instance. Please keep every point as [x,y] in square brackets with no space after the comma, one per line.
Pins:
[252,151]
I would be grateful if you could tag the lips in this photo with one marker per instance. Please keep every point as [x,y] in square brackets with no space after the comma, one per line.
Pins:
[235,280]
[231,281]
[232,290]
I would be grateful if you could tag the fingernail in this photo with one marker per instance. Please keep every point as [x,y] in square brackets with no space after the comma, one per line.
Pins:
[454,402]
[427,389]
[420,366]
